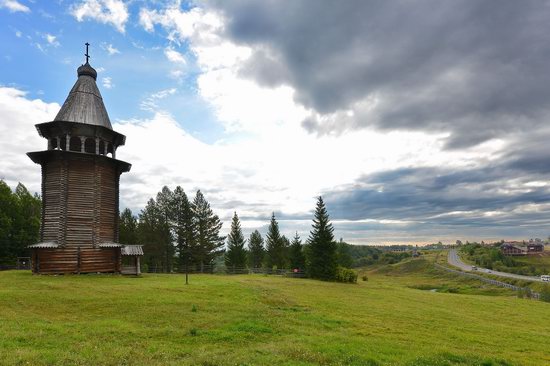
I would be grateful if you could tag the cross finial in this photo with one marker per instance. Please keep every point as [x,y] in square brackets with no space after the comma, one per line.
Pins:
[86,54]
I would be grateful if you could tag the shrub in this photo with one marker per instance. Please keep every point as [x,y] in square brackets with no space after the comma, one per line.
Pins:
[364,278]
[193,332]
[346,275]
[545,294]
[194,308]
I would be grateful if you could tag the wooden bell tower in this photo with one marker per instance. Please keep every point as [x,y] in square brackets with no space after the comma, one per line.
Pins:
[80,185]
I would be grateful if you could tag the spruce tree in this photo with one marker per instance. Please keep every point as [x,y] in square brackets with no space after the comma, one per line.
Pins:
[151,234]
[209,242]
[165,209]
[322,258]
[296,254]
[256,250]
[184,226]
[274,244]
[235,255]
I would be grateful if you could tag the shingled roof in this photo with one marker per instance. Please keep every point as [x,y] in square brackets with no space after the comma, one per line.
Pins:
[84,103]
[132,250]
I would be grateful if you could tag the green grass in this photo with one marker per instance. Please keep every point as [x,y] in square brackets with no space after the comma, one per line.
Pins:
[257,320]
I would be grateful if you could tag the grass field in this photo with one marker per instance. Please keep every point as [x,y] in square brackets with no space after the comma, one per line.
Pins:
[393,319]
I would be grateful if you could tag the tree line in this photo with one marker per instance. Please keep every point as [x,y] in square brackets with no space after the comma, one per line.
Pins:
[19,222]
[179,233]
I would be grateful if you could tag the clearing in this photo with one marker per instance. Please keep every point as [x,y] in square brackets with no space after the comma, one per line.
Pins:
[405,314]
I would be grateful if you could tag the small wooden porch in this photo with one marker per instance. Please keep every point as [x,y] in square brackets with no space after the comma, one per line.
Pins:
[131,259]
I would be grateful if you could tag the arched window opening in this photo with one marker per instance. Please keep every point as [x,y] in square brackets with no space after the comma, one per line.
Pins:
[63,143]
[75,144]
[89,145]
[53,144]
[110,150]
[101,148]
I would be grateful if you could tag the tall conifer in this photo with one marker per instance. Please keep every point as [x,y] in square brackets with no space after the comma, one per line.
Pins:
[256,250]
[235,255]
[296,254]
[322,259]
[273,244]
[209,242]
[185,227]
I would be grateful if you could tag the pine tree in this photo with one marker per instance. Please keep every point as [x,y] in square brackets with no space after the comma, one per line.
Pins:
[276,246]
[153,233]
[127,227]
[209,242]
[284,252]
[185,227]
[322,259]
[273,244]
[235,255]
[165,203]
[296,255]
[256,250]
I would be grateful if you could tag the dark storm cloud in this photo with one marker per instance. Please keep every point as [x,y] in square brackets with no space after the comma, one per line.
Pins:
[476,69]
[442,196]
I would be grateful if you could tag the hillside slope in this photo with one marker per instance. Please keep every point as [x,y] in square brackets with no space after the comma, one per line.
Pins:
[259,320]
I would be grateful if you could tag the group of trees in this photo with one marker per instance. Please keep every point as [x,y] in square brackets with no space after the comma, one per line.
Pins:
[174,231]
[178,232]
[19,222]
[320,256]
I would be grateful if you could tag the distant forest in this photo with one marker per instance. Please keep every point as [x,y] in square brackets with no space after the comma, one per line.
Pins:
[179,233]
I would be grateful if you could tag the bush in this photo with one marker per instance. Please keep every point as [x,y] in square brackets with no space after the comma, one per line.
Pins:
[545,294]
[364,278]
[346,275]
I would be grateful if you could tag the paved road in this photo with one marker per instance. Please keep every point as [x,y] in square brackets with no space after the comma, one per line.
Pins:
[454,260]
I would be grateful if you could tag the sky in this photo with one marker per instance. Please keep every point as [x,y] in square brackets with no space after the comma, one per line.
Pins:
[416,121]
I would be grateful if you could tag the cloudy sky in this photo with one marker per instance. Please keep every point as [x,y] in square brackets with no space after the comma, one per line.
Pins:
[417,121]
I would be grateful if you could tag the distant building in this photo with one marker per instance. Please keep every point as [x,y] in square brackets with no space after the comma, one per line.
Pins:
[510,249]
[535,247]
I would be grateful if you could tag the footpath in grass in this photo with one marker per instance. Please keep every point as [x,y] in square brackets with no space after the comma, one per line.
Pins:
[261,320]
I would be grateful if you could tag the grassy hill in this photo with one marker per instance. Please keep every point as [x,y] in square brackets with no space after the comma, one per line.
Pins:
[393,319]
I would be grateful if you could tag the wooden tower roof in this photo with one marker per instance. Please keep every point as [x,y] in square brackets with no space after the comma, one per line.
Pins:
[84,103]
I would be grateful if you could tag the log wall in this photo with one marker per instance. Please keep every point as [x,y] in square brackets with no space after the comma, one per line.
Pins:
[80,210]
[76,260]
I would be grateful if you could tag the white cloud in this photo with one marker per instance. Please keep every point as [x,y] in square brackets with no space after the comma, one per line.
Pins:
[18,136]
[18,34]
[150,103]
[174,56]
[14,6]
[51,39]
[114,12]
[107,82]
[301,165]
[281,171]
[111,50]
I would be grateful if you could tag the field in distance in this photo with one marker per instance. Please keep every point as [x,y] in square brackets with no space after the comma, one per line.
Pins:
[405,314]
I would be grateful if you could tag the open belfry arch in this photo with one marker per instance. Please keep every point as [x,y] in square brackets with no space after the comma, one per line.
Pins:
[80,186]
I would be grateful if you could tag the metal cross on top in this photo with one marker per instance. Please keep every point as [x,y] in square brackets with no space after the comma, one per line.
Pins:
[86,54]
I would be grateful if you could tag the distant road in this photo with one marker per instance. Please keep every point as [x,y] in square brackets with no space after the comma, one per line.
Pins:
[454,260]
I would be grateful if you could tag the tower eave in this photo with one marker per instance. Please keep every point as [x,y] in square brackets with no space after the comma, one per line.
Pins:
[40,157]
